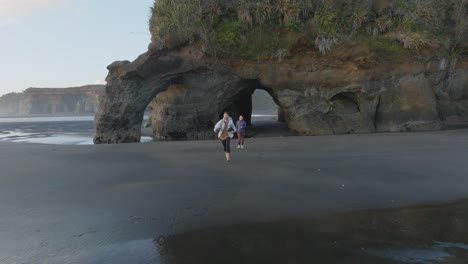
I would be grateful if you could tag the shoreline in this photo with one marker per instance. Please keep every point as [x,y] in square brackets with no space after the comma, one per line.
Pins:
[43,115]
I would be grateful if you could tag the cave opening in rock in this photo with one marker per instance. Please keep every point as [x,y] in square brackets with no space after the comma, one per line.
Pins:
[189,107]
[256,103]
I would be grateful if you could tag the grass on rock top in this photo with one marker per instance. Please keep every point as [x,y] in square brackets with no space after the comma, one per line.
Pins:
[275,29]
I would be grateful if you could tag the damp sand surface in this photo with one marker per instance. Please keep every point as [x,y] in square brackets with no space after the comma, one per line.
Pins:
[380,198]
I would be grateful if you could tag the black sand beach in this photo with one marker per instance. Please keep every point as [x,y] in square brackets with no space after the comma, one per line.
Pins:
[143,203]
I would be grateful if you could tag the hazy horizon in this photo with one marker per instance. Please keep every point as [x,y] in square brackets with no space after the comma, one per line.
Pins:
[64,87]
[68,43]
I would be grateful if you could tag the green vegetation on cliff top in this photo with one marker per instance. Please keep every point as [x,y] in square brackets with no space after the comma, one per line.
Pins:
[275,29]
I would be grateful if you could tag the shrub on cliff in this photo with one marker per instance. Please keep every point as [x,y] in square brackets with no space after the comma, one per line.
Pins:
[175,21]
[262,29]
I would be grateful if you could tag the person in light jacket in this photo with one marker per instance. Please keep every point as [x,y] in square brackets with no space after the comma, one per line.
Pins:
[225,129]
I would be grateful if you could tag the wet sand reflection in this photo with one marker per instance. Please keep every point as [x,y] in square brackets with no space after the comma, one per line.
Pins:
[421,234]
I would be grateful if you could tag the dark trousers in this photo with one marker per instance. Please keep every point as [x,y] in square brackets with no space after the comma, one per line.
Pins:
[241,136]
[227,145]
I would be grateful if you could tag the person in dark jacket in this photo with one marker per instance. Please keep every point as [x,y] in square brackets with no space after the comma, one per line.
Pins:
[241,125]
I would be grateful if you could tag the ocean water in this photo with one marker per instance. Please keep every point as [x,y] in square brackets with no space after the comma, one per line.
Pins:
[46,119]
[64,130]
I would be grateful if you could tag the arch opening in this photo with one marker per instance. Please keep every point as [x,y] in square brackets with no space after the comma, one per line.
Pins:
[189,108]
[262,114]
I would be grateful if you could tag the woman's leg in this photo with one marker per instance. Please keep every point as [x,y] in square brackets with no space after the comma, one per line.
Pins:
[242,138]
[228,148]
[224,144]
[228,145]
[239,138]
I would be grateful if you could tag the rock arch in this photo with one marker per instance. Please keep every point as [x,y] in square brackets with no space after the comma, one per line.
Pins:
[316,95]
[185,92]
[190,108]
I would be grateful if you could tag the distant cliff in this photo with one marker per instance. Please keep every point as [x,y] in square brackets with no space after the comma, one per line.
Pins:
[75,100]
[9,103]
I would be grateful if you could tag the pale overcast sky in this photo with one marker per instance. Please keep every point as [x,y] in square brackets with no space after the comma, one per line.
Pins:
[63,43]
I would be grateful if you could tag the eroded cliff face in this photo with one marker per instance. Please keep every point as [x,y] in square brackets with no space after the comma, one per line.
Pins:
[341,93]
[76,100]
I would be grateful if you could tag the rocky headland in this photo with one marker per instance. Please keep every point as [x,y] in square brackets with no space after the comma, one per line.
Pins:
[52,101]
[332,67]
